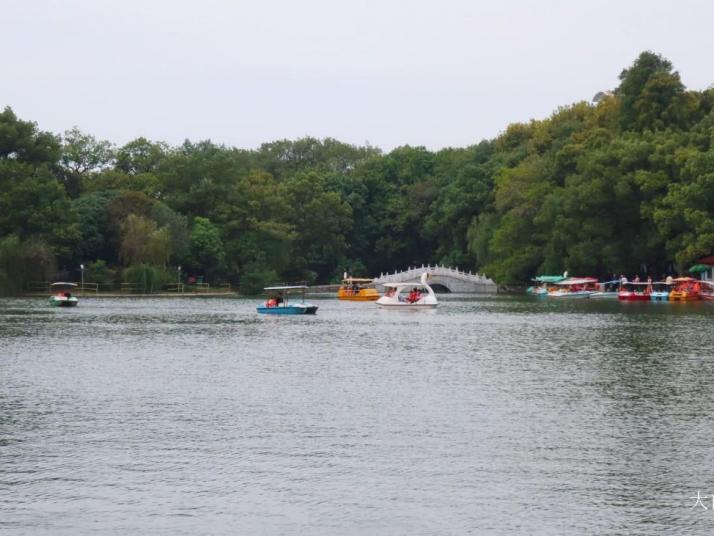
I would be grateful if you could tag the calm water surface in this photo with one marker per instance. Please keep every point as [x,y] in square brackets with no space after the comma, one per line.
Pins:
[487,416]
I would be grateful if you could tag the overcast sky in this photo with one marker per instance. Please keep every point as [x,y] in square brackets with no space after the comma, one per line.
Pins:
[438,73]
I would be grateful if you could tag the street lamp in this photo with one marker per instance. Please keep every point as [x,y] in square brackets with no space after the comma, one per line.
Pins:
[178,285]
[81,267]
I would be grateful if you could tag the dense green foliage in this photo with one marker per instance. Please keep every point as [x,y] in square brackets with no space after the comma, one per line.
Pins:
[624,184]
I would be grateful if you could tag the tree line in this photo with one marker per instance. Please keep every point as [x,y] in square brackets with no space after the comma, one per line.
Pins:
[620,184]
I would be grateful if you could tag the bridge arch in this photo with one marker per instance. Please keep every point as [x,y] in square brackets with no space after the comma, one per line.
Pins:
[439,288]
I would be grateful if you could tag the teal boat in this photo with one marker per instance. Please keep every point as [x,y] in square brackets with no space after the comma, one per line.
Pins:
[62,296]
[543,281]
[660,291]
[278,302]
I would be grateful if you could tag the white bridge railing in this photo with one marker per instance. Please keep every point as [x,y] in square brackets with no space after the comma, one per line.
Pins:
[460,279]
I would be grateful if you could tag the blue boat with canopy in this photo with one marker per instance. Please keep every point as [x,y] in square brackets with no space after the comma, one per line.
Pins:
[279,303]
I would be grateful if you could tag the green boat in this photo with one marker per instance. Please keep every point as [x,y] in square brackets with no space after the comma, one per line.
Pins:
[62,296]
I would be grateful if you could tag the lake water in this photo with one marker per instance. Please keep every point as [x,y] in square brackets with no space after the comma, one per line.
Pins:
[487,416]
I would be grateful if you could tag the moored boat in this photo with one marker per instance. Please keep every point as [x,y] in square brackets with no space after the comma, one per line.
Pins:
[63,295]
[356,289]
[543,284]
[635,291]
[278,302]
[686,289]
[660,291]
[575,287]
[409,295]
[607,290]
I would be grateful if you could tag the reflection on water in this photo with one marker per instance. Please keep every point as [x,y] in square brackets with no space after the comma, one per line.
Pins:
[493,415]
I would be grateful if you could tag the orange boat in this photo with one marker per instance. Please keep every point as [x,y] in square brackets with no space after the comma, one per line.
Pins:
[686,289]
[356,289]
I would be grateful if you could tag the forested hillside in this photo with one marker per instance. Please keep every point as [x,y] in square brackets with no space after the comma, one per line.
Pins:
[622,184]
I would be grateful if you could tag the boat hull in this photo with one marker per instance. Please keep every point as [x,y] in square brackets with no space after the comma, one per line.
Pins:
[363,295]
[427,302]
[569,294]
[678,295]
[61,301]
[537,292]
[604,295]
[659,296]
[409,305]
[306,309]
[633,296]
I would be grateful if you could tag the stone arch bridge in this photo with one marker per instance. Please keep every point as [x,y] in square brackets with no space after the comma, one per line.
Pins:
[452,279]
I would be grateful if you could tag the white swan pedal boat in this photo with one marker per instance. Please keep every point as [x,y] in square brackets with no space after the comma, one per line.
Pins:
[409,295]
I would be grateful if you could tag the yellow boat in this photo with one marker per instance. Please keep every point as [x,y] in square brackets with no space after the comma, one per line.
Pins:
[685,289]
[354,289]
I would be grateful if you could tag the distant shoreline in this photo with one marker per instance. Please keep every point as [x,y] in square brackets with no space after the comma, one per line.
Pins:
[135,295]
[223,294]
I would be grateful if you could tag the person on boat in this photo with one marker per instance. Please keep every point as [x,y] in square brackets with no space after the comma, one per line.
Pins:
[649,284]
[412,296]
[636,279]
[272,302]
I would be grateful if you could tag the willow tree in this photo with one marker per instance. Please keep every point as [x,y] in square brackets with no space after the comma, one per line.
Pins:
[143,242]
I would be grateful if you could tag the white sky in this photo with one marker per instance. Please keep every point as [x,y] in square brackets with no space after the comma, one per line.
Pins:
[391,72]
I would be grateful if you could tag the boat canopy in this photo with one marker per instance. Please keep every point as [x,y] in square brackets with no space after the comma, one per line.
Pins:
[577,281]
[61,284]
[288,287]
[548,278]
[357,280]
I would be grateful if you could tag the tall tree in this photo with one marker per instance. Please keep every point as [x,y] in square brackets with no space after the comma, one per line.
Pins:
[144,243]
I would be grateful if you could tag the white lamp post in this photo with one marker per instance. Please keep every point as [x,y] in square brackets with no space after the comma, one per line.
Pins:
[81,267]
[178,282]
